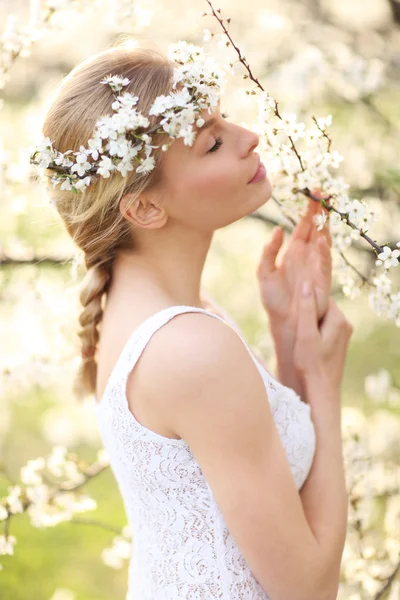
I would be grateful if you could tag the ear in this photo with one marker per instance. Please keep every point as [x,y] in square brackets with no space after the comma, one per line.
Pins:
[143,211]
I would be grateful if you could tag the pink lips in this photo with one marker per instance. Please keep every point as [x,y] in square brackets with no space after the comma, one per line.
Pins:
[260,173]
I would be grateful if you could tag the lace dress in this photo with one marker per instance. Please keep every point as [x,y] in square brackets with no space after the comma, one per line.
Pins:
[181,546]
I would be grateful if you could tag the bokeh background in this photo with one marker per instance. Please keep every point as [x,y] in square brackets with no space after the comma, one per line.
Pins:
[316,57]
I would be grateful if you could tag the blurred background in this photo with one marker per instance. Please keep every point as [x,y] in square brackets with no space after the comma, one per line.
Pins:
[315,57]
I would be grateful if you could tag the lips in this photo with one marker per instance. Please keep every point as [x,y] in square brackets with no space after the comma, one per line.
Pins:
[256,171]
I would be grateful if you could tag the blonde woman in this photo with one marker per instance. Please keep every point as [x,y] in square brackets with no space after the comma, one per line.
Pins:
[232,479]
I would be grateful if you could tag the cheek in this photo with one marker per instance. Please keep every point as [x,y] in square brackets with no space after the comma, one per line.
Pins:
[215,180]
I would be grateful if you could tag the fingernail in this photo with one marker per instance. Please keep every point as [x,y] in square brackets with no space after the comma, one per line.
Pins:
[306,288]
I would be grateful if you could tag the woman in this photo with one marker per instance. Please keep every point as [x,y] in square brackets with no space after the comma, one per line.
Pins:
[233,484]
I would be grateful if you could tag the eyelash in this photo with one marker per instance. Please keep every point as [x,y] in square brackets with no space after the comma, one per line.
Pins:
[218,140]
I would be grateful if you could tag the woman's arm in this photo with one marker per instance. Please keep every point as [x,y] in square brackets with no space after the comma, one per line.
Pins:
[284,340]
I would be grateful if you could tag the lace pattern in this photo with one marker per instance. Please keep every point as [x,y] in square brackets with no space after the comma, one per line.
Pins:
[181,546]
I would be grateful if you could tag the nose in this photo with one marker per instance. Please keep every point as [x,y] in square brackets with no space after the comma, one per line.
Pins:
[253,139]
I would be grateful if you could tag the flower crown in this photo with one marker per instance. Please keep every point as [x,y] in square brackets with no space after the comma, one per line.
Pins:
[116,144]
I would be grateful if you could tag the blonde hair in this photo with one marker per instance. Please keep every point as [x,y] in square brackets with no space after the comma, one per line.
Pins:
[93,218]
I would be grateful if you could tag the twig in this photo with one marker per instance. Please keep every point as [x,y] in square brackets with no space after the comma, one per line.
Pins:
[306,191]
[388,583]
[250,75]
[344,217]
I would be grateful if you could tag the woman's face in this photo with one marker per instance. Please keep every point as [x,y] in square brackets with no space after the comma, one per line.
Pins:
[206,186]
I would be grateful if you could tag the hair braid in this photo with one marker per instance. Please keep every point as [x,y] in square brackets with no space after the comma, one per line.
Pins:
[94,286]
[93,218]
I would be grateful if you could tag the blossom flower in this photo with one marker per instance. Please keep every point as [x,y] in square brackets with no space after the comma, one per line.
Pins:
[82,165]
[388,257]
[115,82]
[291,127]
[95,147]
[65,185]
[160,104]
[105,166]
[146,166]
[7,544]
[320,221]
[188,136]
[324,122]
[13,499]
[80,184]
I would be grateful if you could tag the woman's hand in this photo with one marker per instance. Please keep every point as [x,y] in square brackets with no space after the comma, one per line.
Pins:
[308,256]
[319,353]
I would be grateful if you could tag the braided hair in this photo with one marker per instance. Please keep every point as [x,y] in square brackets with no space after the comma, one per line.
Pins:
[93,218]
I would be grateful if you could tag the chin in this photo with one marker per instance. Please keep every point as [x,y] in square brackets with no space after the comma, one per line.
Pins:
[264,191]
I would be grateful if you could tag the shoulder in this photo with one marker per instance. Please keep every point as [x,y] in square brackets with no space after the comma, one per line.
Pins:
[190,354]
[192,363]
[195,340]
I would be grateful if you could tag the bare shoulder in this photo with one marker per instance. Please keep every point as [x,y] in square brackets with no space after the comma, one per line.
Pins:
[192,343]
[193,351]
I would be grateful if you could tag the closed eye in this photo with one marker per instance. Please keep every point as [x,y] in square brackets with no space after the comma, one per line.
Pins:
[218,140]
[218,144]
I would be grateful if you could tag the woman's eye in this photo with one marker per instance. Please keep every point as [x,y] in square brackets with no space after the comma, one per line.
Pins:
[218,144]
[218,141]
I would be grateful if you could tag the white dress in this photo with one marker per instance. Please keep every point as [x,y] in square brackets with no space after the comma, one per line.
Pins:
[181,546]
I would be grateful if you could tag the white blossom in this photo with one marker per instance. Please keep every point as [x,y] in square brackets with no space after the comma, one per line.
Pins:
[291,127]
[29,473]
[105,167]
[188,135]
[119,552]
[95,147]
[62,160]
[115,82]
[80,184]
[160,104]
[56,460]
[7,544]
[324,122]
[13,499]
[82,165]
[146,166]
[320,221]
[65,183]
[388,257]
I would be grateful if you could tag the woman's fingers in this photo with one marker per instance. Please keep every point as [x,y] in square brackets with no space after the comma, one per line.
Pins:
[325,231]
[270,252]
[324,255]
[307,327]
[335,327]
[304,227]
